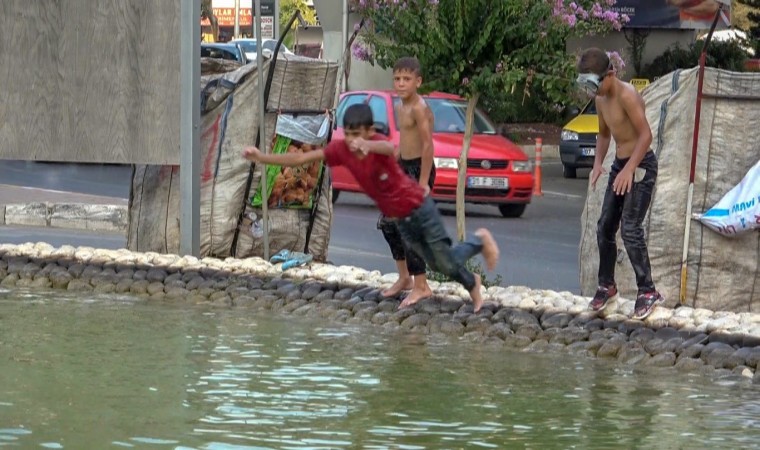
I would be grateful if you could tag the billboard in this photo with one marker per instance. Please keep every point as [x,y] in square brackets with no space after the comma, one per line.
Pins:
[674,14]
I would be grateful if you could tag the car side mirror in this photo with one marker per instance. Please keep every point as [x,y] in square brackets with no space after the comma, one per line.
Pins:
[382,128]
[572,111]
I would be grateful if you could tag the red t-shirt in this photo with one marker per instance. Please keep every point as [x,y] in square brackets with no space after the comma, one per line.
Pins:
[381,177]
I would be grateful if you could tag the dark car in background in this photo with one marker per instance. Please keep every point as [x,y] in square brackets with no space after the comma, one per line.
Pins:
[577,146]
[231,52]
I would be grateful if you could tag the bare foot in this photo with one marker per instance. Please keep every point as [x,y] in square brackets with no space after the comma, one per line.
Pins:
[490,249]
[477,299]
[416,295]
[402,284]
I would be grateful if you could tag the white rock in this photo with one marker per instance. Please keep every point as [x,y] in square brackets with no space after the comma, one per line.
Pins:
[722,314]
[702,315]
[559,304]
[44,247]
[527,303]
[625,307]
[684,311]
[723,323]
[65,251]
[660,317]
[680,322]
[577,309]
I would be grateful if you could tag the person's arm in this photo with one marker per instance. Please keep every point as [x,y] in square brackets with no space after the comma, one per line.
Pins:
[423,117]
[602,147]
[633,104]
[285,159]
[381,147]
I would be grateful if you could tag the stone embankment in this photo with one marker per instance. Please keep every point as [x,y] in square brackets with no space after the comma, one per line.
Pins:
[717,344]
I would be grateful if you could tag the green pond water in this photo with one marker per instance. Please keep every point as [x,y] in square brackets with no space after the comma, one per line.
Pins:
[110,373]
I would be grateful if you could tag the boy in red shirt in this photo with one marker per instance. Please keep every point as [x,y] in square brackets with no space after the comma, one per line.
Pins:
[369,158]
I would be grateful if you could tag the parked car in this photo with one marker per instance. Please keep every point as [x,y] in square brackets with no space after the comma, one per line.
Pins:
[499,173]
[578,141]
[268,46]
[224,51]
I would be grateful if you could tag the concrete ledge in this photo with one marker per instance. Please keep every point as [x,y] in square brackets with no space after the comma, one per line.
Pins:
[111,218]
[548,152]
[27,214]
[80,216]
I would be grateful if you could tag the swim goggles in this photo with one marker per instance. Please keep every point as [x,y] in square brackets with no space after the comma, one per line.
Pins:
[590,82]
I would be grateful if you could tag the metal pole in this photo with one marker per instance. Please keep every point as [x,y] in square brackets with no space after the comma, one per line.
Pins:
[276,19]
[263,142]
[236,34]
[344,43]
[694,148]
[189,123]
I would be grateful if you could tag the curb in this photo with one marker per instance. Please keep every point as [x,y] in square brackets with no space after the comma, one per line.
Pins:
[548,152]
[80,216]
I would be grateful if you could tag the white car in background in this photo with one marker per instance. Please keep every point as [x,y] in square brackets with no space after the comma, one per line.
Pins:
[249,47]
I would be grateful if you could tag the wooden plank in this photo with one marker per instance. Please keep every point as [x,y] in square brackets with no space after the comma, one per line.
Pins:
[90,81]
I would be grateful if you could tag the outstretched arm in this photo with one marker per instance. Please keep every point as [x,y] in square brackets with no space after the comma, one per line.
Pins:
[253,154]
[366,146]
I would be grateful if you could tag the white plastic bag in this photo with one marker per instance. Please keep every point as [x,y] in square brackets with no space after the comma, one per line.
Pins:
[307,129]
[739,210]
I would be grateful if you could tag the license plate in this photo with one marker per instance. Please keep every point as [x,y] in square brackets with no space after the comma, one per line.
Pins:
[588,151]
[487,182]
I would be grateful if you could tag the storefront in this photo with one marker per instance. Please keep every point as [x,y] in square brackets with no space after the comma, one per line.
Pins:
[224,10]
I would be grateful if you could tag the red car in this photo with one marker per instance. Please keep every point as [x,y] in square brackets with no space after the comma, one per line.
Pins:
[498,171]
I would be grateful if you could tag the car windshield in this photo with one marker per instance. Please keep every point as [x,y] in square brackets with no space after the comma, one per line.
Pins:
[449,116]
[248,46]
[590,108]
[220,53]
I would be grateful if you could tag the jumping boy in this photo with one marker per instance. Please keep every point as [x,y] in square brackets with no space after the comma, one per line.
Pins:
[632,178]
[415,121]
[369,158]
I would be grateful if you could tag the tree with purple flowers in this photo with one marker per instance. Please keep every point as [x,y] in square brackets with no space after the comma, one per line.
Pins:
[477,47]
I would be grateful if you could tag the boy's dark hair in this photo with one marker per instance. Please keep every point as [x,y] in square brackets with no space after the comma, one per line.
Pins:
[408,64]
[358,116]
[594,60]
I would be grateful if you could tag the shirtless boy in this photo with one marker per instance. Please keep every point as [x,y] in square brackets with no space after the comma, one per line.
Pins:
[370,159]
[632,179]
[415,121]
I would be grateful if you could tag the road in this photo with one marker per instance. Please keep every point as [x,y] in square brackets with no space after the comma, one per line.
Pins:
[539,250]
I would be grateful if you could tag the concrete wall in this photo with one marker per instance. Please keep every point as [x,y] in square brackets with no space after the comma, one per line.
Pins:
[90,80]
[362,75]
[657,42]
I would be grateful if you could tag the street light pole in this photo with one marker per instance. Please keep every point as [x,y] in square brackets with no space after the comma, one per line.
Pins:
[189,123]
[263,143]
[236,35]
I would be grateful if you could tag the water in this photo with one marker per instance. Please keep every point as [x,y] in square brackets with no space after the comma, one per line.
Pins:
[113,373]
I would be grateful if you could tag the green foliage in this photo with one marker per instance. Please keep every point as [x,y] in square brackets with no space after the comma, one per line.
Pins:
[287,9]
[727,55]
[473,267]
[486,46]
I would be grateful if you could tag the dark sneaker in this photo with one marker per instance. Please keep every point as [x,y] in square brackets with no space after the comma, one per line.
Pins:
[602,297]
[645,304]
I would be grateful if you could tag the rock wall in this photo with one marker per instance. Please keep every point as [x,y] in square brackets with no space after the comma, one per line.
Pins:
[719,344]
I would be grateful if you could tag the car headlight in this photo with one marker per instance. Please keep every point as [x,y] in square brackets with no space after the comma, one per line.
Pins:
[522,166]
[568,135]
[446,163]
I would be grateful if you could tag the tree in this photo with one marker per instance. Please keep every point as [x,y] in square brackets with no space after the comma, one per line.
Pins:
[207,12]
[475,47]
[750,18]
[287,9]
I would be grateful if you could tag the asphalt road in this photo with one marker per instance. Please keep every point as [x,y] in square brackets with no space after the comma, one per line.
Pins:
[539,250]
